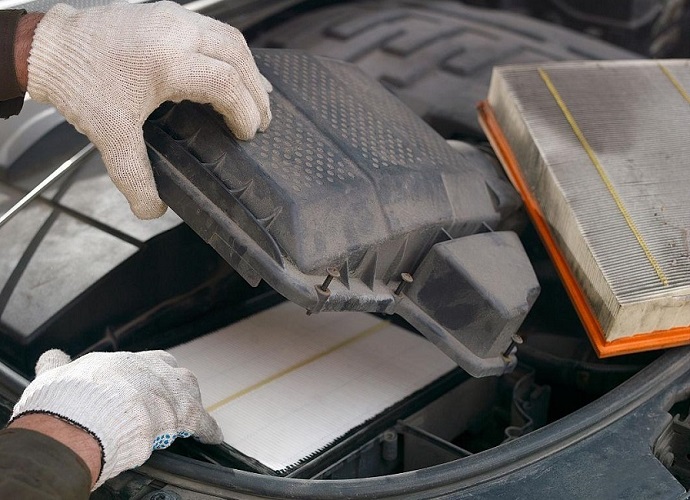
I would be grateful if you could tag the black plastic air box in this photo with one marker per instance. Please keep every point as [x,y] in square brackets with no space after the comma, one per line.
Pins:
[351,202]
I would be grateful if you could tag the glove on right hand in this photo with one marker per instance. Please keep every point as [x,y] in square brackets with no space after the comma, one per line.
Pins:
[107,68]
[132,402]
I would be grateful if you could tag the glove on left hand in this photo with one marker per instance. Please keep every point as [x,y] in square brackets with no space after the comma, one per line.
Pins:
[132,402]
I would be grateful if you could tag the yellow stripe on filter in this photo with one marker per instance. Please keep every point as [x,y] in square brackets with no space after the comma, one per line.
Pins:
[675,82]
[602,173]
[365,333]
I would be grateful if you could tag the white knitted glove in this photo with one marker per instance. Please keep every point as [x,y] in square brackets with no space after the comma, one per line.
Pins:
[132,403]
[107,68]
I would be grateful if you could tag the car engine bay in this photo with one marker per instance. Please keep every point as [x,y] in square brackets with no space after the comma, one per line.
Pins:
[253,225]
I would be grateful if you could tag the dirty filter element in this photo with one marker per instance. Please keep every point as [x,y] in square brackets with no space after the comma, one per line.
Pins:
[600,152]
[350,202]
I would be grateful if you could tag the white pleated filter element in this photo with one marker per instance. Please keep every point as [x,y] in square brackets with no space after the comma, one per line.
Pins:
[284,386]
[605,150]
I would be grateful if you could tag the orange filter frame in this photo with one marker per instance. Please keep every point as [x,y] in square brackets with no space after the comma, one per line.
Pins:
[642,342]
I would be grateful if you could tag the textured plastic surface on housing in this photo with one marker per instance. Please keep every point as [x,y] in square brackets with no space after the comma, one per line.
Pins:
[346,179]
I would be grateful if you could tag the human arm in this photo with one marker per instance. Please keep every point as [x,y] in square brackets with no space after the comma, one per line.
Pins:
[15,41]
[16,35]
[22,46]
[37,466]
[78,440]
[127,404]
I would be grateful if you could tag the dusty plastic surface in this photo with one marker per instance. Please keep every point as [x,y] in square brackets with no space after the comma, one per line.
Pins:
[347,179]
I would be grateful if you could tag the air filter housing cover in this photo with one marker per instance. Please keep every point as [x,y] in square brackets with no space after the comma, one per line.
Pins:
[349,182]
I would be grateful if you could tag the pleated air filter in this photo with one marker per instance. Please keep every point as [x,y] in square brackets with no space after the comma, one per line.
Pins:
[600,152]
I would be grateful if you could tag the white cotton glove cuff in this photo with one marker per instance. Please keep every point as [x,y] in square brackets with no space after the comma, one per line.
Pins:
[107,68]
[132,403]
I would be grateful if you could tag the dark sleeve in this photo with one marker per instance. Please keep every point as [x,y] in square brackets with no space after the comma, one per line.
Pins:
[11,95]
[33,465]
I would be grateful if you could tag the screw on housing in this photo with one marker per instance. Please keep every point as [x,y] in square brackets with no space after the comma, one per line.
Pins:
[405,279]
[515,340]
[332,273]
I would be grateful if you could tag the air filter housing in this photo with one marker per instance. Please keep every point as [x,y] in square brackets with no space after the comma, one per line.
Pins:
[351,202]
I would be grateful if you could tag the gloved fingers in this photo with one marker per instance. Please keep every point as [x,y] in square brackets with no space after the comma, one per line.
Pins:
[158,356]
[190,411]
[225,43]
[129,168]
[209,81]
[53,358]
[164,440]
[208,432]
[268,86]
